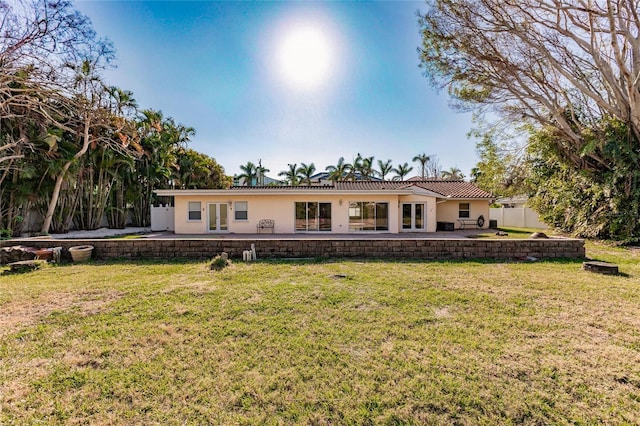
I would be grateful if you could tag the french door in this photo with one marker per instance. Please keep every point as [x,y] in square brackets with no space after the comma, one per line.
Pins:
[218,217]
[414,216]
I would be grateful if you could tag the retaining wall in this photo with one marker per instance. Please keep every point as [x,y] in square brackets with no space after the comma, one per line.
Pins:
[352,248]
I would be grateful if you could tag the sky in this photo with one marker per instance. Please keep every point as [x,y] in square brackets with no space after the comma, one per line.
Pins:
[286,82]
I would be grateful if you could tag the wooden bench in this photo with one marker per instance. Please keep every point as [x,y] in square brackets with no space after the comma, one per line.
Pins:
[266,224]
[479,222]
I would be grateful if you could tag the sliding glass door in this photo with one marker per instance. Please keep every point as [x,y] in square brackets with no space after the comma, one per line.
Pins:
[313,217]
[368,216]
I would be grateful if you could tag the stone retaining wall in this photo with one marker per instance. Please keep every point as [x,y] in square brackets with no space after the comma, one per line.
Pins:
[351,248]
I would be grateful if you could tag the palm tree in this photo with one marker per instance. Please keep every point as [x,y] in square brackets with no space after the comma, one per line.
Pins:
[121,100]
[366,168]
[339,171]
[249,173]
[453,173]
[354,169]
[292,176]
[423,159]
[307,170]
[95,110]
[475,174]
[402,170]
[384,168]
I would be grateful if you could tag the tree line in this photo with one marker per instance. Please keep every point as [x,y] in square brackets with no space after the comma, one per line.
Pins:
[362,168]
[565,77]
[72,147]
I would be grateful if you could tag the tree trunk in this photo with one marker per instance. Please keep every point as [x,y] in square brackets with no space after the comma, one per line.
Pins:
[63,173]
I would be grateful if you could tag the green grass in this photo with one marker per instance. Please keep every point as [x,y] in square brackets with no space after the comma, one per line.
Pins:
[336,342]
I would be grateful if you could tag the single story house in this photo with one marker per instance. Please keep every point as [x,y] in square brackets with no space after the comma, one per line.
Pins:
[339,207]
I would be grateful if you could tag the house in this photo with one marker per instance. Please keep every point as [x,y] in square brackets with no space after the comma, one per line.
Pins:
[339,207]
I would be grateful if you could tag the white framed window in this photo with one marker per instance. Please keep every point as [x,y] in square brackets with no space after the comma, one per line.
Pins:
[241,210]
[195,211]
[464,210]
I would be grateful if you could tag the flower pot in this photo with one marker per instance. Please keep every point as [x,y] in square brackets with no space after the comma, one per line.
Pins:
[80,253]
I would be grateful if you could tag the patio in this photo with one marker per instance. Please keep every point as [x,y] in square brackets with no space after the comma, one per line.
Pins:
[167,235]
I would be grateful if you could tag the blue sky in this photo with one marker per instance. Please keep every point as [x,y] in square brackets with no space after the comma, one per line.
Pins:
[218,67]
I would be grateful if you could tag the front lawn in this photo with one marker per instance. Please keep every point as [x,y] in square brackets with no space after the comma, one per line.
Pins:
[341,342]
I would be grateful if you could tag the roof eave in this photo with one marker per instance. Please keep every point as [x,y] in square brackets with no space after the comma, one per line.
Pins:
[215,192]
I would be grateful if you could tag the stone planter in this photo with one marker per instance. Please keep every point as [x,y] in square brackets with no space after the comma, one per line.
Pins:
[80,253]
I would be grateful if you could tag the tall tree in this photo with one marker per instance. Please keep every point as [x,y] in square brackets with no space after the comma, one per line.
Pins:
[402,171]
[354,170]
[453,173]
[500,171]
[194,170]
[338,171]
[603,205]
[306,171]
[160,139]
[292,176]
[561,63]
[565,69]
[422,159]
[88,100]
[384,168]
[433,167]
[366,168]
[38,39]
[100,170]
[249,173]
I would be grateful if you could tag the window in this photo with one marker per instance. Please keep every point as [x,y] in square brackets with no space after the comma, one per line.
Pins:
[241,209]
[313,217]
[368,216]
[195,210]
[464,211]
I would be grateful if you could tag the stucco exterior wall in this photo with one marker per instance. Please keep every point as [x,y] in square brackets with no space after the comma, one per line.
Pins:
[281,208]
[447,211]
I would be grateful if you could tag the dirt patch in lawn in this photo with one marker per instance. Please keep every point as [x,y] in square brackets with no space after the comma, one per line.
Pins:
[15,315]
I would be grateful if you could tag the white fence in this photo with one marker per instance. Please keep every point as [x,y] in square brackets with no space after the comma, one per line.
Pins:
[516,218]
[162,218]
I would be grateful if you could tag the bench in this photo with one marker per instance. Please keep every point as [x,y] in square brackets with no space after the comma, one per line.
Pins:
[265,224]
[479,222]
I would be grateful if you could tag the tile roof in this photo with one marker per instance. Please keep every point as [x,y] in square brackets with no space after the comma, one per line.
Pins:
[445,188]
[453,188]
[281,188]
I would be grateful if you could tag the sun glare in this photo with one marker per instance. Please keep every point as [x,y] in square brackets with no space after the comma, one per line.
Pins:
[305,58]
